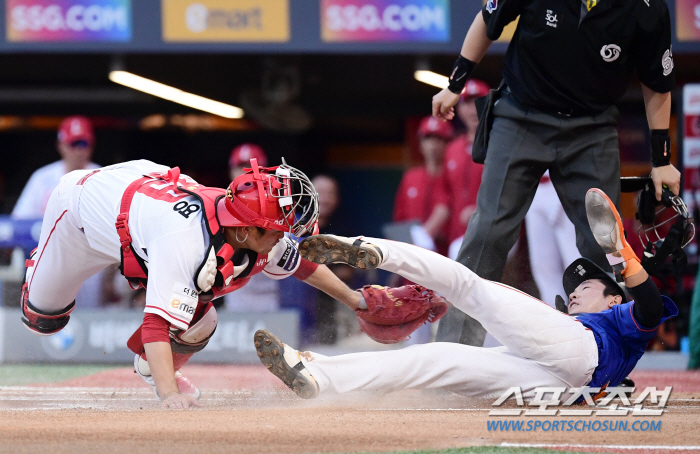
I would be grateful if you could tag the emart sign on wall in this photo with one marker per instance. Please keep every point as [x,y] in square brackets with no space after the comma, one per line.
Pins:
[225,20]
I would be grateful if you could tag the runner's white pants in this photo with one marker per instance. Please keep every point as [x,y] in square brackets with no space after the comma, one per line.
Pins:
[64,258]
[542,347]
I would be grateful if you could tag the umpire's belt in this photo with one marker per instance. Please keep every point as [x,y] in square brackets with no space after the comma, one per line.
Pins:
[566,113]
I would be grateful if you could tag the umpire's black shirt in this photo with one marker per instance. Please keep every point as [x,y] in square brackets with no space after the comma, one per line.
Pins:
[569,59]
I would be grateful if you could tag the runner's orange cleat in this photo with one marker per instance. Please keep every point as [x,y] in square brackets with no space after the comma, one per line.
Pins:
[607,229]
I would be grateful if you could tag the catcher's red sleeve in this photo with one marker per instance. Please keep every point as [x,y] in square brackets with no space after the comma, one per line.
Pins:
[153,329]
[305,270]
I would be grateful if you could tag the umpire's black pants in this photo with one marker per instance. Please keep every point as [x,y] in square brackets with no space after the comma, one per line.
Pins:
[580,152]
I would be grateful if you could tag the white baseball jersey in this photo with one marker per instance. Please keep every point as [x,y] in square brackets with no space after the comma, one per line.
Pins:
[35,195]
[167,231]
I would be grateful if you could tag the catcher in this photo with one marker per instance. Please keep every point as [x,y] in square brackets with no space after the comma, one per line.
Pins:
[597,346]
[186,243]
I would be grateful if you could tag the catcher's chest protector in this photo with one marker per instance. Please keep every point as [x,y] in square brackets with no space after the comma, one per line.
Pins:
[215,274]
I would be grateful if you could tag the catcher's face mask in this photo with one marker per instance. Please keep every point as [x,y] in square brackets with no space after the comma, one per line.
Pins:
[274,198]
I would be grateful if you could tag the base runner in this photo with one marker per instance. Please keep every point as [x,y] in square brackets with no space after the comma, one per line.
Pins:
[598,344]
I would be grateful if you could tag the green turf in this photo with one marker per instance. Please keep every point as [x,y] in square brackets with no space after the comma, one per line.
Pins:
[479,450]
[24,374]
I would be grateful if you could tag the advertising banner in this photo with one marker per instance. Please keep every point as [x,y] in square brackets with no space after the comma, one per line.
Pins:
[99,336]
[225,20]
[19,232]
[68,20]
[691,155]
[688,20]
[385,20]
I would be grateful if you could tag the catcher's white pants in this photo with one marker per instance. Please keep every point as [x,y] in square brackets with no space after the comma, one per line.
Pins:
[542,347]
[64,258]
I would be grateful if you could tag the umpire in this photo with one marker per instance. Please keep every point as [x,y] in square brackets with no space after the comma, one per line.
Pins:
[566,66]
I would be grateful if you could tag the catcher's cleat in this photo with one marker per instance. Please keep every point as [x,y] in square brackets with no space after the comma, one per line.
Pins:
[285,363]
[184,384]
[327,249]
[607,229]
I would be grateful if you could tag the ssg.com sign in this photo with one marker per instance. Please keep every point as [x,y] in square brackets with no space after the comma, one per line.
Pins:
[100,337]
[68,20]
[385,20]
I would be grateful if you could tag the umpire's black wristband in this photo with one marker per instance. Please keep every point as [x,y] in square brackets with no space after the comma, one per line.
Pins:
[660,147]
[460,73]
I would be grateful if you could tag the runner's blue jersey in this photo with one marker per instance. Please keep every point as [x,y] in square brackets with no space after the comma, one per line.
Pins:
[621,340]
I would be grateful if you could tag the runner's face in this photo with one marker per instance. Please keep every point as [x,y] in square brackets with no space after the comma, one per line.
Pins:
[588,298]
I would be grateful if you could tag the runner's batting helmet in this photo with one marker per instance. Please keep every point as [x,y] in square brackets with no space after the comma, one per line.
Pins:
[274,198]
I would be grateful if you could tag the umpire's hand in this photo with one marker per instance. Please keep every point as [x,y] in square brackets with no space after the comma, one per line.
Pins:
[665,175]
[443,105]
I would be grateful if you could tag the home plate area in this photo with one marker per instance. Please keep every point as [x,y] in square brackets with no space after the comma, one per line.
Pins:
[247,410]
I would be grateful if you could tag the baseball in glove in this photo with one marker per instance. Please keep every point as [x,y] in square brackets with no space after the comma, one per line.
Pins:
[392,314]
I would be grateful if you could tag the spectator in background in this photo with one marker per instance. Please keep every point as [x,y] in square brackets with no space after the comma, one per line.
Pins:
[328,200]
[333,321]
[261,294]
[241,156]
[551,238]
[415,198]
[461,176]
[75,145]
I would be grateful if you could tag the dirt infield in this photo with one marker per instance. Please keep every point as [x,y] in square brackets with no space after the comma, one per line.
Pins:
[246,411]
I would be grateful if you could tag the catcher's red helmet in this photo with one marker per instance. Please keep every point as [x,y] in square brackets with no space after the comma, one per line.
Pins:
[274,198]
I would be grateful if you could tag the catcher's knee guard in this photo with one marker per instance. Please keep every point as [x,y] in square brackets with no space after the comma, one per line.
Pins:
[197,336]
[43,322]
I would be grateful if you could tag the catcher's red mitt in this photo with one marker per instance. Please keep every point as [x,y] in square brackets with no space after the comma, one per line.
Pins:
[392,314]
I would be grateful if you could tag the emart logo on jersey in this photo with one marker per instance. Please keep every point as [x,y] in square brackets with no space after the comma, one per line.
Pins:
[183,307]
[183,303]
[612,401]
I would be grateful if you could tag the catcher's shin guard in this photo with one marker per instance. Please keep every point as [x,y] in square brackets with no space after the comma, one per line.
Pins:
[285,363]
[607,229]
[328,249]
[43,322]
